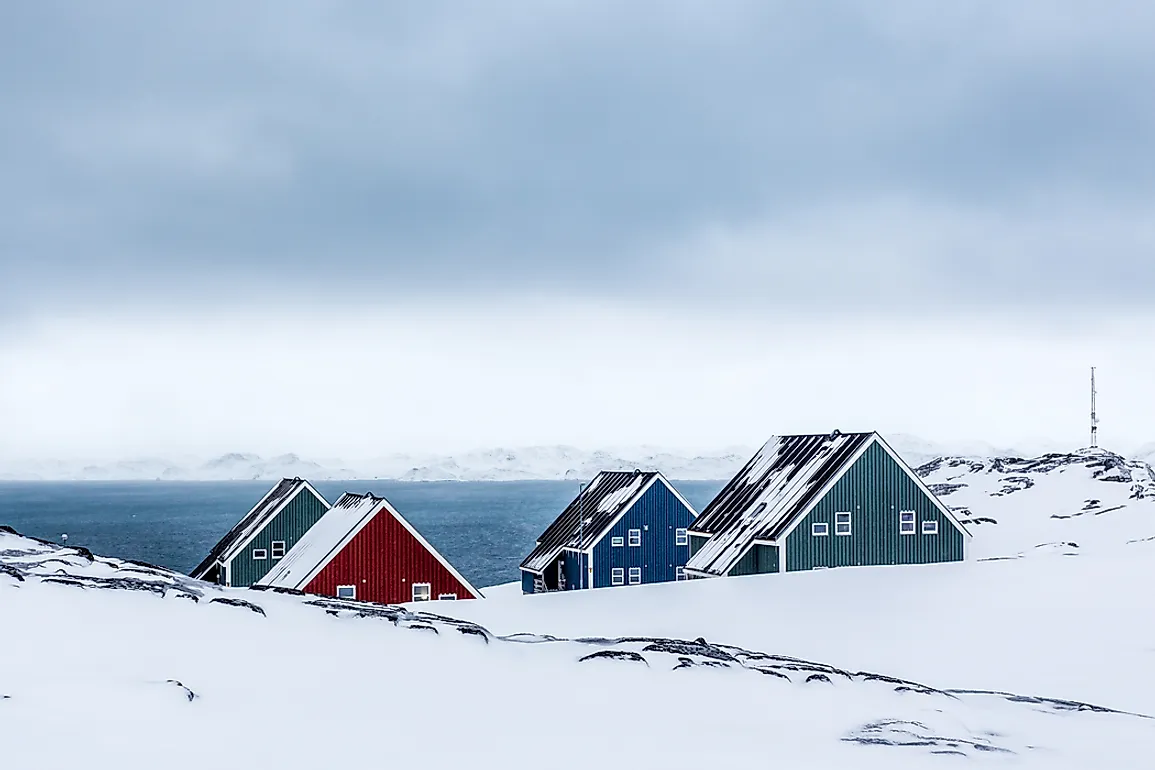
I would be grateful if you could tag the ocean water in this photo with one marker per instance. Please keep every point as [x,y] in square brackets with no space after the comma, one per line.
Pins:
[484,528]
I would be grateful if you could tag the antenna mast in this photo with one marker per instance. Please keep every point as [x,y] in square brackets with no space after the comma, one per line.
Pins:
[1094,416]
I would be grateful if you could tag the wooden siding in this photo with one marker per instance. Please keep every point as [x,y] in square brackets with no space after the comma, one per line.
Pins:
[289,525]
[658,514]
[874,491]
[384,561]
[527,579]
[758,560]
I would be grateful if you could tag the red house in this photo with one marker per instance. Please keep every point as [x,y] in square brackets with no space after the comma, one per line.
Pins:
[362,548]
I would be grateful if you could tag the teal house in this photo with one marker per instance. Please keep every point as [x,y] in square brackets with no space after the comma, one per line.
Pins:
[266,533]
[818,501]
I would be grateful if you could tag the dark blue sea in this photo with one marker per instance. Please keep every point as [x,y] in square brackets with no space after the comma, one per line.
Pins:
[484,528]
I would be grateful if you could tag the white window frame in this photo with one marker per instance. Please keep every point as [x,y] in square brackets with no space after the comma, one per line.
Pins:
[815,530]
[904,522]
[681,536]
[446,597]
[351,588]
[635,534]
[635,572]
[838,524]
[273,549]
[933,530]
[617,542]
[679,573]
[260,554]
[428,591]
[618,576]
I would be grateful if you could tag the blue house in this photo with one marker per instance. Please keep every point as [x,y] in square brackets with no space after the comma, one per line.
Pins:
[623,528]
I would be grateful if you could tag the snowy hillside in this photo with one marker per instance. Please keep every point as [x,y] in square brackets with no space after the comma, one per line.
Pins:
[498,464]
[178,674]
[1067,503]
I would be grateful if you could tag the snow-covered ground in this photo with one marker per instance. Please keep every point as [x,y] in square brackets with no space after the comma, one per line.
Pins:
[1041,661]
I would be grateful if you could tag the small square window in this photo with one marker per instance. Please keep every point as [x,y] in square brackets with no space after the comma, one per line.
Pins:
[842,523]
[635,575]
[681,537]
[930,527]
[278,549]
[819,529]
[680,573]
[635,537]
[346,592]
[421,592]
[260,554]
[446,597]
[906,522]
[618,542]
[617,576]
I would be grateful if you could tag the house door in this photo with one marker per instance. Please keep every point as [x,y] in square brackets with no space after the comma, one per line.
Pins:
[561,574]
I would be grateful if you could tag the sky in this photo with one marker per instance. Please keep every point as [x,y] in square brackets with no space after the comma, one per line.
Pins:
[352,229]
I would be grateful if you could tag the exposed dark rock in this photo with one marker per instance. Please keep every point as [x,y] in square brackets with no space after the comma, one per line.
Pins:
[12,572]
[474,631]
[818,678]
[188,693]
[423,627]
[627,655]
[277,590]
[238,603]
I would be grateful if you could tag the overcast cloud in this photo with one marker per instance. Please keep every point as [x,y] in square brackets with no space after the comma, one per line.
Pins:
[793,161]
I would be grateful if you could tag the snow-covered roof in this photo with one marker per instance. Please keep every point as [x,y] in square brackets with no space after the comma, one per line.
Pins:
[332,533]
[253,521]
[592,513]
[774,487]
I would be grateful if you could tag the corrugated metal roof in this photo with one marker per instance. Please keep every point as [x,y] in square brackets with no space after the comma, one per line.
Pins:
[598,505]
[773,488]
[323,540]
[256,518]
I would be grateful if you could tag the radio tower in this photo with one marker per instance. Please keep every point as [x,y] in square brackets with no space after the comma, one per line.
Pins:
[1094,416]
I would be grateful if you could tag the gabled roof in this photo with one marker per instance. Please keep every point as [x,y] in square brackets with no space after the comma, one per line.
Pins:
[787,477]
[778,483]
[599,505]
[332,532]
[254,521]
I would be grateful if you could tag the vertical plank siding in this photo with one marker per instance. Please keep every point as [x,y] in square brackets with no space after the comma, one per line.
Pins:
[384,561]
[874,491]
[758,560]
[290,525]
[658,514]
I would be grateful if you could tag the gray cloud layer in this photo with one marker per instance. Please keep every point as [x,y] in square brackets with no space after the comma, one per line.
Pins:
[838,149]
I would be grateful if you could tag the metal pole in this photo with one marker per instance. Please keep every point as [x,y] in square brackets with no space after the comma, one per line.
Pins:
[1094,416]
[581,534]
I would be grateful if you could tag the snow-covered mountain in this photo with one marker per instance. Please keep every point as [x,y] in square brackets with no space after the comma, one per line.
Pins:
[495,464]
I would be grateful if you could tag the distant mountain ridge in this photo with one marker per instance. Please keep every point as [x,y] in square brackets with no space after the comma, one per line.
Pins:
[557,462]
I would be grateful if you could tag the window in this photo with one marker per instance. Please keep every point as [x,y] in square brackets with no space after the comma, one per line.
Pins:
[618,542]
[635,575]
[346,592]
[635,537]
[680,573]
[260,554]
[681,537]
[446,597]
[421,592]
[278,549]
[819,529]
[842,523]
[906,522]
[930,527]
[617,576]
